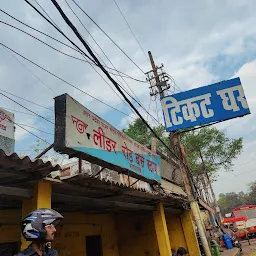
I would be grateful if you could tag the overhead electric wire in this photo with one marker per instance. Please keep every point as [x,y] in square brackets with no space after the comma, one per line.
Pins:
[26,99]
[60,52]
[46,13]
[71,56]
[35,128]
[136,100]
[70,24]
[25,113]
[149,107]
[59,30]
[136,39]
[32,134]
[26,108]
[107,36]
[81,51]
[120,72]
[61,79]
[38,78]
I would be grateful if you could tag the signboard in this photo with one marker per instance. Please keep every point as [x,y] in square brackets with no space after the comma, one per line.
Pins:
[204,105]
[6,131]
[79,132]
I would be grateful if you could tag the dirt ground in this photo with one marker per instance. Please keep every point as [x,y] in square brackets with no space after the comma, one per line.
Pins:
[249,250]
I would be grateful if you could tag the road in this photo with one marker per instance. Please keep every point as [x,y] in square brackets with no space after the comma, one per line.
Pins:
[249,250]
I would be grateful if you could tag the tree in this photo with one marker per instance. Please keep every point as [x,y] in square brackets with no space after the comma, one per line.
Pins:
[252,193]
[209,149]
[229,201]
[140,132]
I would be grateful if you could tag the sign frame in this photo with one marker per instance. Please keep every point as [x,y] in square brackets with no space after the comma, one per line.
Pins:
[204,105]
[65,106]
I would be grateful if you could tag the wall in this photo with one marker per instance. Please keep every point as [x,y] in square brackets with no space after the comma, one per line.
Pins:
[175,230]
[136,234]
[70,237]
[10,226]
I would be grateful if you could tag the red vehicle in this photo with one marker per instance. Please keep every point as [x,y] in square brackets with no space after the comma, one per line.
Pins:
[247,224]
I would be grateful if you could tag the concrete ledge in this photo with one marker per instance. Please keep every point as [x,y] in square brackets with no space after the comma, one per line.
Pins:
[232,252]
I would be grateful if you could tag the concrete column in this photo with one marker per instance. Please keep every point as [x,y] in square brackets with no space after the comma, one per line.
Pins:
[190,234]
[41,199]
[161,231]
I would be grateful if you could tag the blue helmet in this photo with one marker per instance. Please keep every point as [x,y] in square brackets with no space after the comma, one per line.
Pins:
[33,225]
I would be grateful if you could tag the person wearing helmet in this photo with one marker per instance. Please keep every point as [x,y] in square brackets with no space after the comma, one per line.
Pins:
[39,228]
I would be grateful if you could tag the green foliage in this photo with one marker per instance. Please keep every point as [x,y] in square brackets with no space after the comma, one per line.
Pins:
[208,149]
[229,201]
[140,132]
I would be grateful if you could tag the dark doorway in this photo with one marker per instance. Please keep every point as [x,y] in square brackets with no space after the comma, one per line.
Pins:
[9,249]
[94,246]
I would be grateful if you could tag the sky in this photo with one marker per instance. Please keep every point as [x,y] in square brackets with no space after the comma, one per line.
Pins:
[199,43]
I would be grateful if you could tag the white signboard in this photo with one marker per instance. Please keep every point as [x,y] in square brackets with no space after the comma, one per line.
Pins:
[78,130]
[6,124]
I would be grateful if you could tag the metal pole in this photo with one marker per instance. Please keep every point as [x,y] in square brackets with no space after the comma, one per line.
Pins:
[175,141]
[45,151]
[155,74]
[192,200]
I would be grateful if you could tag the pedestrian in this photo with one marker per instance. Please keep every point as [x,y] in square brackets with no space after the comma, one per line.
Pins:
[39,228]
[182,252]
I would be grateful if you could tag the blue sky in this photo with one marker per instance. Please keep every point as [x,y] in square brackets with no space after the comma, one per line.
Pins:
[199,43]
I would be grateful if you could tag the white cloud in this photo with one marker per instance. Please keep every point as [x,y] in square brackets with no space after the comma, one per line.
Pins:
[244,168]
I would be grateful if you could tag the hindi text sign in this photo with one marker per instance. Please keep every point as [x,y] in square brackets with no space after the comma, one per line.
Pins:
[79,131]
[204,105]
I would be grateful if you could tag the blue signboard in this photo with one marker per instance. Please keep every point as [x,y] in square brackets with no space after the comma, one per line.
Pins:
[204,105]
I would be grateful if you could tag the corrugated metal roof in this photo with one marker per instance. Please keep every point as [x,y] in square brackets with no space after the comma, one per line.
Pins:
[15,169]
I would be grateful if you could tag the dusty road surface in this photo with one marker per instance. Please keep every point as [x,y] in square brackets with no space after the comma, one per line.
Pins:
[249,250]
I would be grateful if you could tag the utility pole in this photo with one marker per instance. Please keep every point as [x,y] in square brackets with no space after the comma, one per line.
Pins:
[161,86]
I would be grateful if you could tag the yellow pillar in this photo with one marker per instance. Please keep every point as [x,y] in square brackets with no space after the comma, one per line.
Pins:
[190,234]
[41,199]
[161,231]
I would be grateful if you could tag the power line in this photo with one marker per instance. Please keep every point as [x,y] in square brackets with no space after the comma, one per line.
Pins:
[60,52]
[130,29]
[39,79]
[61,79]
[35,128]
[149,107]
[228,177]
[23,23]
[136,100]
[93,40]
[85,54]
[27,108]
[107,36]
[71,56]
[58,30]
[26,100]
[46,13]
[32,133]
[21,112]
[70,24]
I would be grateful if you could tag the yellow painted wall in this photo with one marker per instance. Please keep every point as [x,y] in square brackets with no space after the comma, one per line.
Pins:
[136,234]
[72,231]
[175,230]
[10,225]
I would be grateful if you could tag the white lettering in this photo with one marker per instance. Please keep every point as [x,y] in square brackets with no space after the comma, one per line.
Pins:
[190,109]
[229,102]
